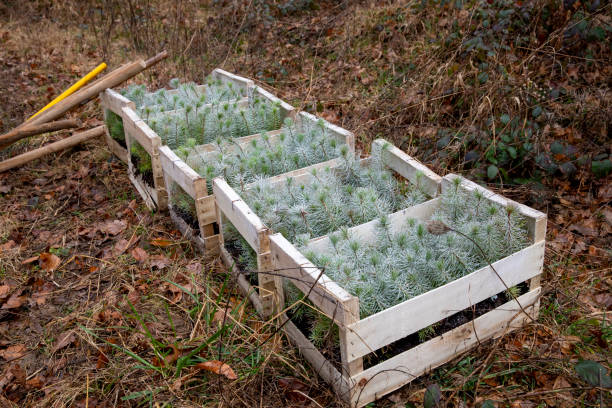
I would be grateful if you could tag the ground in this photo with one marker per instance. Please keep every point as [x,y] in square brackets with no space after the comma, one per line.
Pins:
[103,303]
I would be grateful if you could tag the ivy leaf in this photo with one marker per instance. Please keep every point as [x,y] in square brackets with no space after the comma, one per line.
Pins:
[601,168]
[504,119]
[537,111]
[487,404]
[593,373]
[492,171]
[432,396]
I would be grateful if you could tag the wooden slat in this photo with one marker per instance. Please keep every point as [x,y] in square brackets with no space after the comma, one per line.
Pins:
[295,174]
[226,77]
[287,110]
[177,171]
[385,327]
[239,214]
[242,103]
[115,147]
[326,295]
[245,141]
[318,362]
[115,102]
[340,134]
[205,207]
[408,167]
[403,368]
[144,193]
[536,219]
[368,232]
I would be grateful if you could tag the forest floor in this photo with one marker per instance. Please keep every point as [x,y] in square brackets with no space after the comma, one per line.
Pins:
[104,304]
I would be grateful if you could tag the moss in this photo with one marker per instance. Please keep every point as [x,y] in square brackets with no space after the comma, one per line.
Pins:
[114,123]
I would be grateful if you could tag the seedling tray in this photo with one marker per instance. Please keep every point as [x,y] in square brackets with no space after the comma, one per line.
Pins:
[268,296]
[360,337]
[178,174]
[136,130]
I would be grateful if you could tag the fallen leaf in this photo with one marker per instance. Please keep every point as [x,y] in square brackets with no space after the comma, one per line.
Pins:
[294,389]
[159,261]
[161,242]
[604,299]
[13,352]
[139,254]
[120,247]
[113,227]
[7,246]
[4,291]
[29,260]
[15,301]
[64,340]
[169,359]
[102,360]
[218,367]
[49,262]
[37,382]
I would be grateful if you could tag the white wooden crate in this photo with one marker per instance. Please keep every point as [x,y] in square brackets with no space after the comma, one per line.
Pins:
[177,172]
[360,337]
[154,195]
[270,286]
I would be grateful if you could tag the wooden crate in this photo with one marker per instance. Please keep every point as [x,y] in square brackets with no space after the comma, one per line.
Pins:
[137,131]
[360,337]
[178,173]
[114,102]
[267,297]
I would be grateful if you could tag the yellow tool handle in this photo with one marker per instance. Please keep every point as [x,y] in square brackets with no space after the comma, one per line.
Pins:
[74,87]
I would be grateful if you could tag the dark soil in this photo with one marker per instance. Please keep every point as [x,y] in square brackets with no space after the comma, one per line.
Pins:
[121,143]
[147,176]
[189,218]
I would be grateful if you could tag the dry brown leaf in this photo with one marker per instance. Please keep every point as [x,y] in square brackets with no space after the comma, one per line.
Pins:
[218,367]
[161,242]
[4,291]
[14,301]
[64,340]
[49,262]
[159,261]
[7,246]
[13,352]
[113,227]
[139,254]
[37,382]
[29,260]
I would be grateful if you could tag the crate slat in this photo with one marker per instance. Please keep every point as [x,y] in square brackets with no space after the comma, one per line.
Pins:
[536,219]
[403,368]
[114,101]
[340,134]
[367,232]
[319,363]
[408,167]
[326,295]
[288,110]
[383,328]
[226,77]
[180,173]
[239,214]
